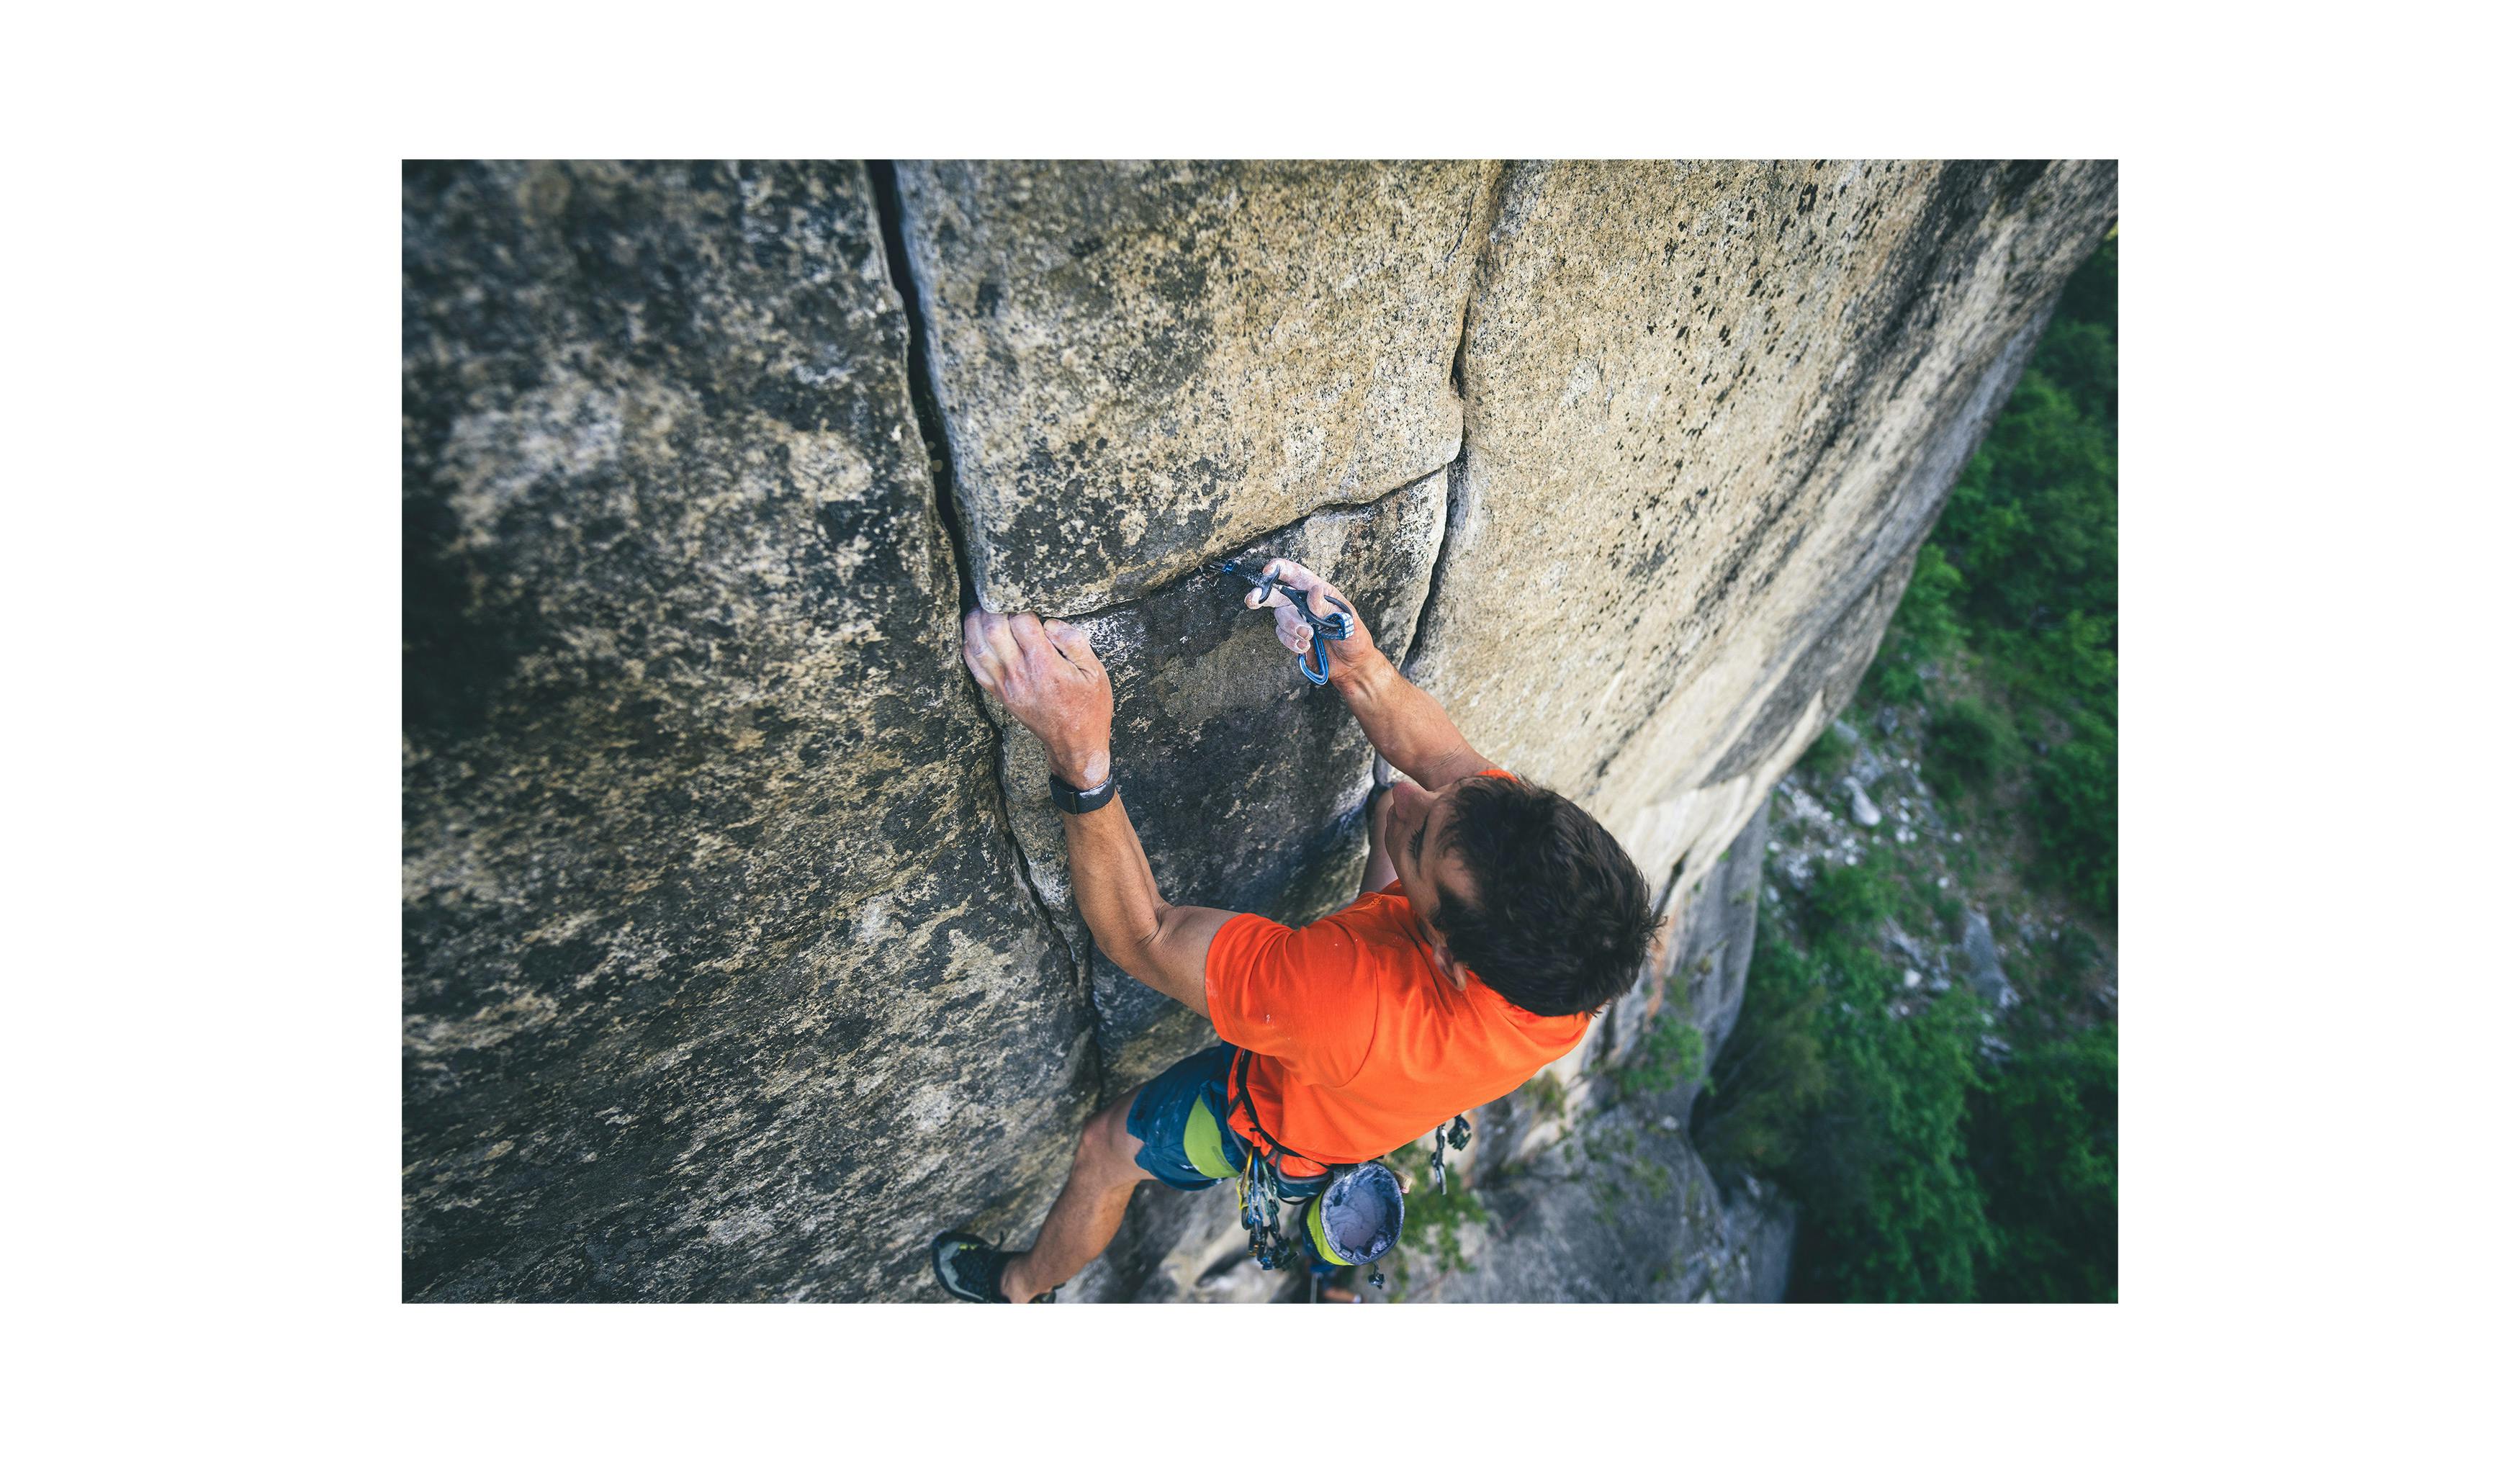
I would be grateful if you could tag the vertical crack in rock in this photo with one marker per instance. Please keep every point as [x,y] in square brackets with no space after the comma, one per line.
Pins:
[930,418]
[922,382]
[1457,473]
[1455,504]
[1488,209]
[1245,784]
[1144,363]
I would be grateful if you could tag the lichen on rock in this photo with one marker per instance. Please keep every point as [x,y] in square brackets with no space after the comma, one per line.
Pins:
[1142,365]
[716,951]
[1709,412]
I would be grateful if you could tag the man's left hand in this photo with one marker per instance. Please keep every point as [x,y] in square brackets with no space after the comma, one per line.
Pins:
[1045,672]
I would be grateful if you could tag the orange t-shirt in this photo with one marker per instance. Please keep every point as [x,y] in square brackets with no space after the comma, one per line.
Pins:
[1358,1042]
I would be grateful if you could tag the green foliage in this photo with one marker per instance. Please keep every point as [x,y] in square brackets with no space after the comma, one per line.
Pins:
[1859,1109]
[2071,955]
[1671,1052]
[1771,1077]
[1827,756]
[1942,909]
[2043,1141]
[1435,1223]
[1850,900]
[1930,1165]
[2077,819]
[2032,525]
[2019,582]
[1924,629]
[1968,746]
[2091,294]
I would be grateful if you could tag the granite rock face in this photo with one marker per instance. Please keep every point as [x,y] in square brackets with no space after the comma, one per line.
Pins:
[1710,410]
[717,963]
[1246,782]
[739,953]
[1142,365]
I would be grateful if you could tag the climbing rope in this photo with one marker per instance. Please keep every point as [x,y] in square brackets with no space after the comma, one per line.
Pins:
[1338,624]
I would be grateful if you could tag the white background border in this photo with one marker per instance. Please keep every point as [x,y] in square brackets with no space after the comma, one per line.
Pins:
[203,609]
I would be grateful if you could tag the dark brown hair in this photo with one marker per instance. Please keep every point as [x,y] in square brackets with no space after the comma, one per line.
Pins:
[1562,920]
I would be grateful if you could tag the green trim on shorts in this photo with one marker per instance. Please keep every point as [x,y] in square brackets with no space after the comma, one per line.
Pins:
[1202,1144]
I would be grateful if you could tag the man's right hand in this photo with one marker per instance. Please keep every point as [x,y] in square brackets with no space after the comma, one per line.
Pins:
[1349,657]
[1405,725]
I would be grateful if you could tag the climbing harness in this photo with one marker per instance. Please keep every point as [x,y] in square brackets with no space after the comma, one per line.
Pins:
[1351,1216]
[1338,624]
[1264,1186]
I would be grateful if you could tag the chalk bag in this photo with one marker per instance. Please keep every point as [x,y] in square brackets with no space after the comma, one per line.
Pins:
[1357,1219]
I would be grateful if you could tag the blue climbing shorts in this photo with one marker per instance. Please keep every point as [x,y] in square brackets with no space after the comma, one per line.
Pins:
[1180,1118]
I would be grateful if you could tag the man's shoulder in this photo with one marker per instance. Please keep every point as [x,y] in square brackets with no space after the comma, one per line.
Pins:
[1367,931]
[1381,919]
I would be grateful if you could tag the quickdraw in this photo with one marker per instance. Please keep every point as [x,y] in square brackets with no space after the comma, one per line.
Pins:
[1260,1192]
[1338,624]
[1264,1186]
[1458,1133]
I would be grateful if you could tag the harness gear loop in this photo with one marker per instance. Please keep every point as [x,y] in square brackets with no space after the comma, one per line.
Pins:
[1338,624]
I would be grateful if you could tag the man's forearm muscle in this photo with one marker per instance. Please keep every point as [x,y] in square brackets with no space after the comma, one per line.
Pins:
[1407,726]
[1132,925]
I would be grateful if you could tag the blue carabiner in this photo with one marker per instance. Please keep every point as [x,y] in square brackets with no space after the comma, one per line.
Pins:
[1338,624]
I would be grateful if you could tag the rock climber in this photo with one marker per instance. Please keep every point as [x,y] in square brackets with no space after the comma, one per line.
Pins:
[1496,918]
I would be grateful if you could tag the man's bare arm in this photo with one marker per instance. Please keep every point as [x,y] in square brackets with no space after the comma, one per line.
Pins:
[1404,724]
[1048,677]
[1407,726]
[1160,944]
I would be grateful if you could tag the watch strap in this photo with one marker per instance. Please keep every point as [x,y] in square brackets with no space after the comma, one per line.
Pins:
[1073,799]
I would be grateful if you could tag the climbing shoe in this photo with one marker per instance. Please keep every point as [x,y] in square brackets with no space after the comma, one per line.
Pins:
[969,1267]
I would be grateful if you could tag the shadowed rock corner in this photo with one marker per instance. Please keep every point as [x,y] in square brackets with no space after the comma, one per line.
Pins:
[717,965]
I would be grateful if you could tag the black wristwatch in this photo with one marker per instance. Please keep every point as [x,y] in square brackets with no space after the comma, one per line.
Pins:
[1084,799]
